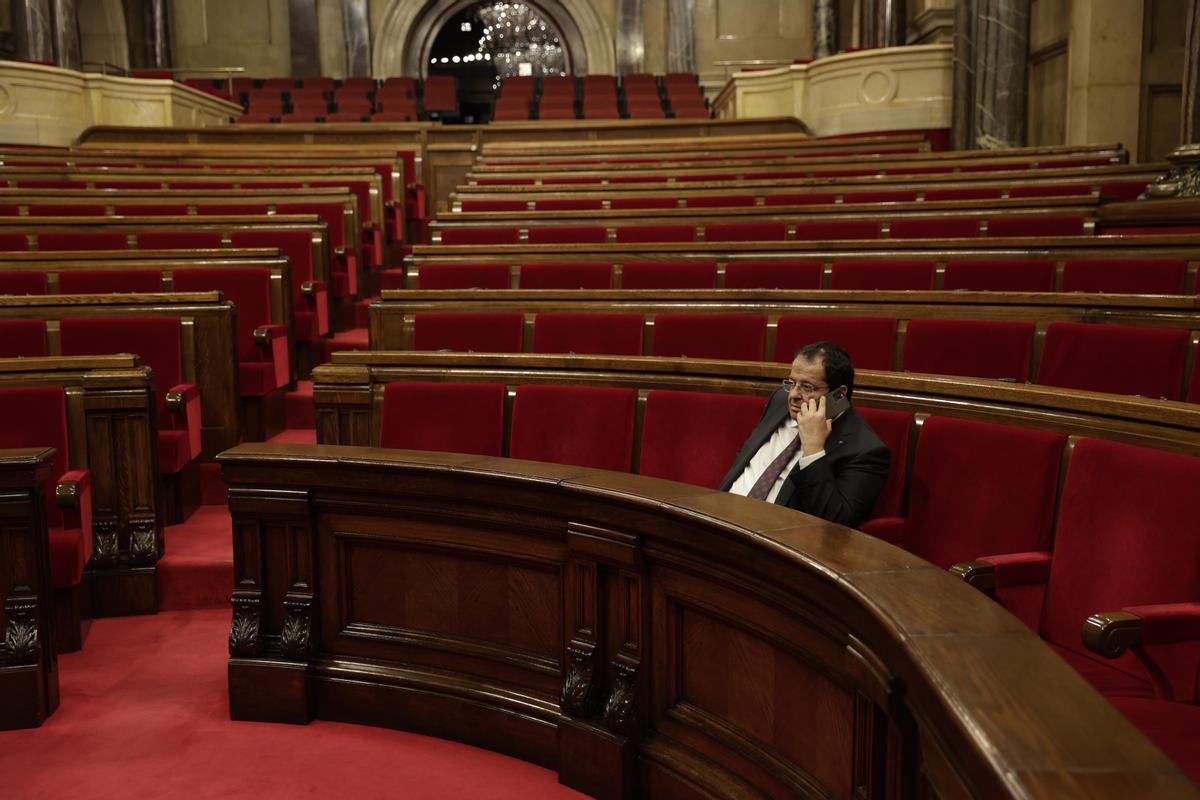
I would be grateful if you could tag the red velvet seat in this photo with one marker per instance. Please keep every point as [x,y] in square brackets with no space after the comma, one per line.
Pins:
[566,275]
[642,203]
[463,276]
[894,428]
[669,275]
[575,180]
[23,338]
[882,274]
[755,274]
[13,242]
[587,426]
[746,232]
[806,199]
[156,340]
[870,341]
[881,196]
[656,233]
[109,281]
[672,450]
[978,488]
[1119,359]
[1031,225]
[588,333]
[150,209]
[963,193]
[65,210]
[1000,275]
[969,348]
[567,234]
[264,363]
[310,298]
[79,240]
[1051,190]
[494,205]
[1125,275]
[37,417]
[178,240]
[480,332]
[444,417]
[22,282]
[568,204]
[721,201]
[934,228]
[1173,727]
[834,230]
[481,236]
[733,337]
[343,278]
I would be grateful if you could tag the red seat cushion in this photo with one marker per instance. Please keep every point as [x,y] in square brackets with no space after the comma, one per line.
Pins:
[446,417]
[588,333]
[154,339]
[882,274]
[894,428]
[672,450]
[1000,275]
[1125,275]
[1174,728]
[1030,225]
[463,276]
[978,488]
[109,281]
[588,426]
[640,203]
[789,274]
[1051,190]
[971,348]
[566,275]
[1079,355]
[69,555]
[494,205]
[481,236]
[669,275]
[569,204]
[870,341]
[37,417]
[22,338]
[250,292]
[174,451]
[568,234]
[934,228]
[179,240]
[736,337]
[65,210]
[833,230]
[22,282]
[721,201]
[805,199]
[746,232]
[963,193]
[656,233]
[881,196]
[78,240]
[480,332]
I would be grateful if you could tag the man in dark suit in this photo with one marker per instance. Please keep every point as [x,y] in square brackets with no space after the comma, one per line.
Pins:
[799,458]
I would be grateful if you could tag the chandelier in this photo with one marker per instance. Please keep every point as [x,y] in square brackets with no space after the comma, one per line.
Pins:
[519,40]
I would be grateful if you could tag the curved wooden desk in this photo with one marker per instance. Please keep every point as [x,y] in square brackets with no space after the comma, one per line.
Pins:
[645,637]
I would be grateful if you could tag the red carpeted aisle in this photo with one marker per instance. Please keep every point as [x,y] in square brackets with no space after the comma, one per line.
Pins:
[144,714]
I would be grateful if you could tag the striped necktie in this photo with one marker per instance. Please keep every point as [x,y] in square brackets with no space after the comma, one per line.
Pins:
[762,486]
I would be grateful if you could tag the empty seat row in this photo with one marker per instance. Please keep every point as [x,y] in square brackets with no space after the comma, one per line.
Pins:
[1096,275]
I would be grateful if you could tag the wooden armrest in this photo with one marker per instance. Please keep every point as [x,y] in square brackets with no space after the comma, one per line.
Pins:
[70,488]
[265,334]
[979,574]
[178,396]
[1111,633]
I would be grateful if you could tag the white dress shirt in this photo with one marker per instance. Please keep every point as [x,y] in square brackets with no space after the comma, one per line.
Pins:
[784,435]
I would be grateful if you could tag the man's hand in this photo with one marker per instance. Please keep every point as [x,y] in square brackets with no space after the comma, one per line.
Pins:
[813,428]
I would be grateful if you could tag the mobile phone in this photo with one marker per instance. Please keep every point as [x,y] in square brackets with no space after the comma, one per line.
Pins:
[836,402]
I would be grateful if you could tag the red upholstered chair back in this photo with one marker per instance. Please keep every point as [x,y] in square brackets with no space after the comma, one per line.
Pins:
[248,289]
[895,429]
[672,450]
[296,245]
[1125,275]
[481,236]
[656,233]
[870,341]
[568,234]
[1127,535]
[1031,225]
[232,209]
[65,210]
[22,338]
[566,275]
[963,193]
[179,240]
[1000,275]
[881,196]
[494,205]
[721,201]
[568,204]
[978,488]
[588,333]
[588,426]
[37,417]
[22,282]
[934,228]
[78,240]
[746,232]
[109,281]
[669,275]
[641,203]
[773,275]
[837,229]
[150,210]
[735,337]
[479,332]
[446,417]
[154,339]
[882,274]
[968,347]
[805,199]
[463,276]
[1119,359]
[1051,190]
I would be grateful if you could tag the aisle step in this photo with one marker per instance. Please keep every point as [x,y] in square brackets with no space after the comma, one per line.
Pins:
[298,407]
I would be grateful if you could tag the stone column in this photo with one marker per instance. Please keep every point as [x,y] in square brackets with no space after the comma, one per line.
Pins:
[883,23]
[67,52]
[158,34]
[631,42]
[355,23]
[681,35]
[966,14]
[825,28]
[302,22]
[991,52]
[1189,112]
[33,30]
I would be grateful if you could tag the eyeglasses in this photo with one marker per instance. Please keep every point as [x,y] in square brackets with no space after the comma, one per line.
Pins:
[804,386]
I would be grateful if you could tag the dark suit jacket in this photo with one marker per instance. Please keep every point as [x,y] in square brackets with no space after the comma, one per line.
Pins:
[842,485]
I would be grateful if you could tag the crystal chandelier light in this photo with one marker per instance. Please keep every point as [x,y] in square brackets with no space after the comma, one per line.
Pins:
[519,40]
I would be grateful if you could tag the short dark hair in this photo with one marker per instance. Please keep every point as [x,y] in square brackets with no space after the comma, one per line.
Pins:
[836,361]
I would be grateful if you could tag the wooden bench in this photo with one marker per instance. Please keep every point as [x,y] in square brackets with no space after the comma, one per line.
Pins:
[111,423]
[618,628]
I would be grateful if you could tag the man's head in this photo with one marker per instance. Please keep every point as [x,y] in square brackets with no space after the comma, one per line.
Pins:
[817,369]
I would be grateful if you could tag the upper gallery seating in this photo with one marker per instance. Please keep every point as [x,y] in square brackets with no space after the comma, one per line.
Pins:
[597,97]
[396,99]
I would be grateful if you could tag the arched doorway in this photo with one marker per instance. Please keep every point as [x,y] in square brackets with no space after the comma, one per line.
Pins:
[408,30]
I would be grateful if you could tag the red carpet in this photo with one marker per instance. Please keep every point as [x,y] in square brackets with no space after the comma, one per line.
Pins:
[197,569]
[144,714]
[298,406]
[353,339]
